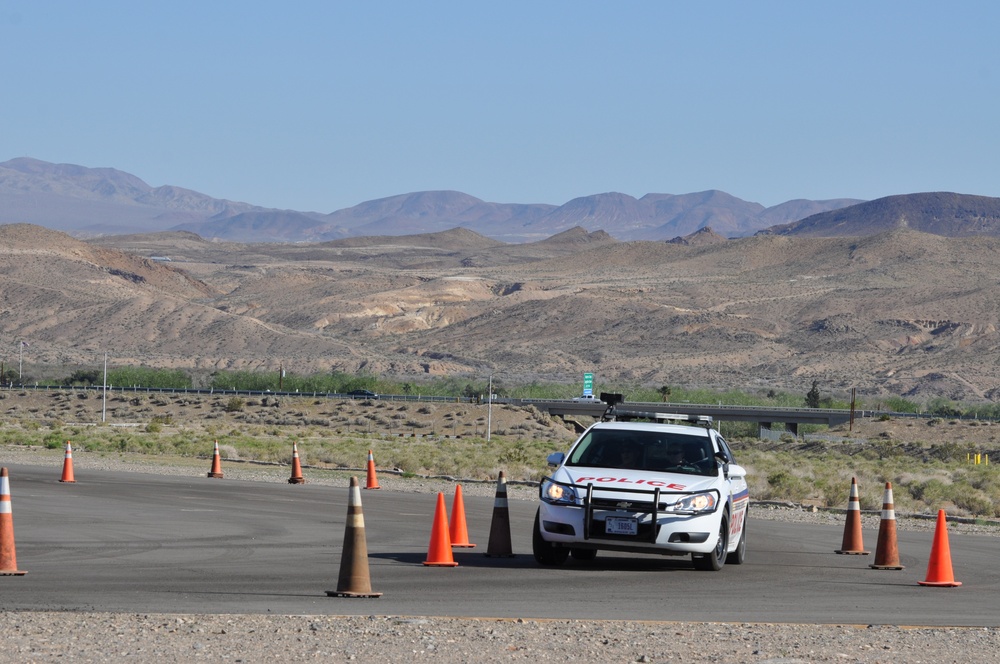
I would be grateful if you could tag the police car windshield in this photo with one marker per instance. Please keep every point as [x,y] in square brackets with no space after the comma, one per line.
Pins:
[655,451]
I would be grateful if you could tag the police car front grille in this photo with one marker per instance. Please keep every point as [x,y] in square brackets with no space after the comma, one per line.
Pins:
[613,504]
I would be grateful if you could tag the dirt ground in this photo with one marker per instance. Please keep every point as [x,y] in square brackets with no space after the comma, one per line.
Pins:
[135,408]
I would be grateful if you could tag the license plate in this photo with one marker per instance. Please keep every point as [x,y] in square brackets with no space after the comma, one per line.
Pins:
[621,525]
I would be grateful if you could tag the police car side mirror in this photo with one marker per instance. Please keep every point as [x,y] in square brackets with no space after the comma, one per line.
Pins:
[556,459]
[721,456]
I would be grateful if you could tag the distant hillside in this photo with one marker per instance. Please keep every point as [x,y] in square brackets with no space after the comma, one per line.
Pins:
[899,313]
[940,213]
[454,238]
[699,238]
[95,202]
[99,201]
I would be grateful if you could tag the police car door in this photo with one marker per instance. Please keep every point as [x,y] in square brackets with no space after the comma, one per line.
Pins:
[739,496]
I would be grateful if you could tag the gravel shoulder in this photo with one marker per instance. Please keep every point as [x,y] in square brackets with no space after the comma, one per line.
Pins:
[104,637]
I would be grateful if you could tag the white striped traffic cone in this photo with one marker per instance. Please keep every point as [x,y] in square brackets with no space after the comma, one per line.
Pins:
[887,550]
[354,579]
[8,557]
[852,542]
[67,473]
[216,463]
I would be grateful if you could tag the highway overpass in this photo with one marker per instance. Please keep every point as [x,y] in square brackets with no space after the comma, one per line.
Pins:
[765,417]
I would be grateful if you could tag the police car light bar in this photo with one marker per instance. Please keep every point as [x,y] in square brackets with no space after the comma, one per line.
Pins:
[694,419]
[704,420]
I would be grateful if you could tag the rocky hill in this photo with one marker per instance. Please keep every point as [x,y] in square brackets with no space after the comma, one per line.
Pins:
[940,213]
[900,313]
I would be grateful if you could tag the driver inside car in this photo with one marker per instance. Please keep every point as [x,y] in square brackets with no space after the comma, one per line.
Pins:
[675,457]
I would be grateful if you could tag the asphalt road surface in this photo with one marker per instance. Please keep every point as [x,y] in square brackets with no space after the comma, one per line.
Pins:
[129,542]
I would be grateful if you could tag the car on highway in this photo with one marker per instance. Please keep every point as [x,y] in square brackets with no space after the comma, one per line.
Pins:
[362,394]
[667,485]
[586,398]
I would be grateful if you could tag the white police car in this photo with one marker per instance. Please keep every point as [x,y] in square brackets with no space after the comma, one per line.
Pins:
[644,487]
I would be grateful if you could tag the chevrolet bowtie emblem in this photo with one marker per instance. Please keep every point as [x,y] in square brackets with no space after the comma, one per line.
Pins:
[623,505]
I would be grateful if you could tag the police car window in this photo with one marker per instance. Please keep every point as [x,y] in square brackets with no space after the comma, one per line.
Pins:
[725,448]
[599,448]
[645,450]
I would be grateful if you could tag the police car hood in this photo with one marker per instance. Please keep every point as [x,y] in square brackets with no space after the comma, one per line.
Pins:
[641,481]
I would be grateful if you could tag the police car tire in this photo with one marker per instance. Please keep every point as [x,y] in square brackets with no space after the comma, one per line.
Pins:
[739,556]
[714,561]
[545,553]
[583,554]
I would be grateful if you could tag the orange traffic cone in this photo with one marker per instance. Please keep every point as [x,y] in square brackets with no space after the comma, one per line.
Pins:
[8,558]
[459,532]
[67,474]
[216,463]
[372,482]
[939,566]
[499,545]
[852,543]
[439,551]
[886,551]
[296,477]
[354,580]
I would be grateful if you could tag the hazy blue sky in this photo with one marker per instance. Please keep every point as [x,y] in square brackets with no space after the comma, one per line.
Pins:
[323,105]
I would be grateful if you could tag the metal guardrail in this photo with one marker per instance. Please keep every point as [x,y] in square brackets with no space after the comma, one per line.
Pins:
[554,406]
[135,389]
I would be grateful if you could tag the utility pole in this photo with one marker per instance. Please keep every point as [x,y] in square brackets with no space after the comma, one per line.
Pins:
[104,402]
[489,410]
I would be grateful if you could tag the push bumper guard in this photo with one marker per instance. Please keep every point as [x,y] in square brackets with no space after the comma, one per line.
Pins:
[654,507]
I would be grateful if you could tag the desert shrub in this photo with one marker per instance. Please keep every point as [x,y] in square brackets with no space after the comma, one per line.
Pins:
[930,492]
[974,502]
[235,405]
[518,453]
[788,485]
[946,451]
[883,448]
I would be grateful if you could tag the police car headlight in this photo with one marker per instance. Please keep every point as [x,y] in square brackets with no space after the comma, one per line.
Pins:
[556,494]
[699,502]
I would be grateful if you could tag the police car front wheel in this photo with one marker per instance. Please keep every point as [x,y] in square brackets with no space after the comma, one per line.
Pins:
[546,553]
[713,562]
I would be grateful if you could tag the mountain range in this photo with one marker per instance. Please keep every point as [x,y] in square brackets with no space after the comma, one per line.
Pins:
[895,296]
[95,202]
